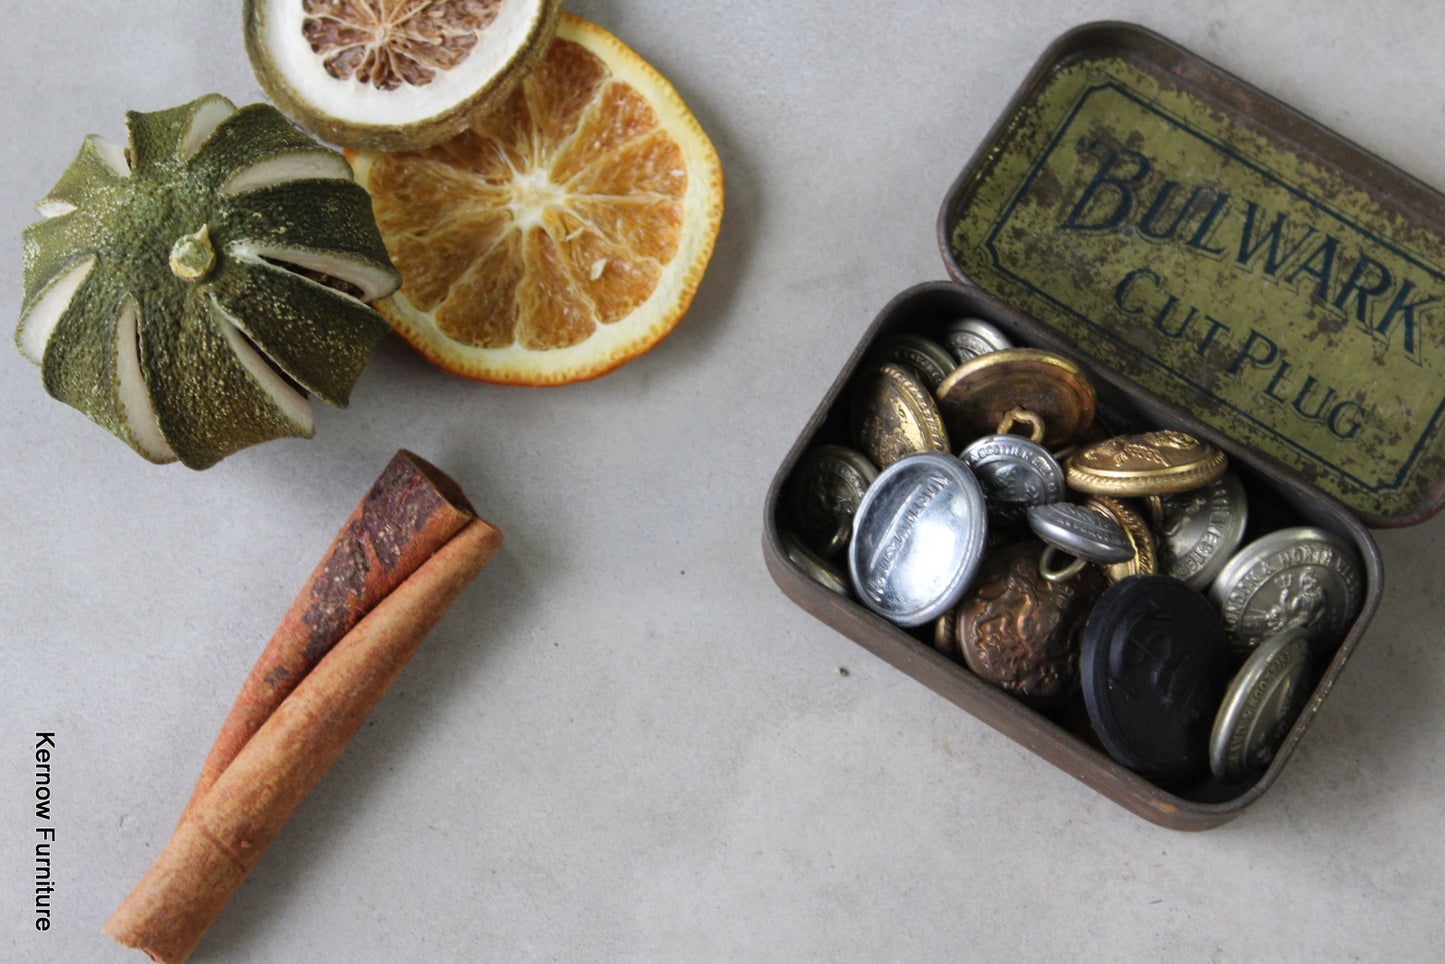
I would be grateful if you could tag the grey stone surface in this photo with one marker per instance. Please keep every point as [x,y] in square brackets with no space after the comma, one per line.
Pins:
[624,743]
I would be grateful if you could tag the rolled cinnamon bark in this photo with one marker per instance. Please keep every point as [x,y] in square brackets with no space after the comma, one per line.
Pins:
[408,514]
[228,824]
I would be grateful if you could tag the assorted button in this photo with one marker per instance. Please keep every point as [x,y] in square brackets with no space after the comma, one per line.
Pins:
[823,495]
[1260,706]
[1081,531]
[917,538]
[1143,561]
[1153,666]
[1148,464]
[979,394]
[1015,473]
[1096,576]
[817,568]
[930,361]
[893,415]
[968,338]
[1200,529]
[1299,578]
[1017,629]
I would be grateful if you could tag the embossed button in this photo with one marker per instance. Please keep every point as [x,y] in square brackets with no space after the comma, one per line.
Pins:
[1015,473]
[1019,631]
[1296,578]
[1144,562]
[814,566]
[1153,667]
[893,415]
[926,358]
[917,538]
[1081,531]
[1260,705]
[1200,529]
[945,634]
[1151,463]
[968,338]
[977,396]
[822,494]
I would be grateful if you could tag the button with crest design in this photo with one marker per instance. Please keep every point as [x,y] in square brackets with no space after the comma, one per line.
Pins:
[1153,667]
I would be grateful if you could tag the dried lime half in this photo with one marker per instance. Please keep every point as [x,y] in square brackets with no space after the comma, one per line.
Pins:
[393,74]
[189,292]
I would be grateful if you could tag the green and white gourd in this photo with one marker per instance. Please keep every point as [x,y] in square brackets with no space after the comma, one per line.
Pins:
[191,291]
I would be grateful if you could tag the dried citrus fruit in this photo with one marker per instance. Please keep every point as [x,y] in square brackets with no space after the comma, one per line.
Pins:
[188,291]
[561,236]
[393,74]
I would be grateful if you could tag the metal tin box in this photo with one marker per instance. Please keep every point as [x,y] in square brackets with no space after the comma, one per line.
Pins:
[1218,264]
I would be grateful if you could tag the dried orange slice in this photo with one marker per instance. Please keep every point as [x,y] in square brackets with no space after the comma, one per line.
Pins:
[561,236]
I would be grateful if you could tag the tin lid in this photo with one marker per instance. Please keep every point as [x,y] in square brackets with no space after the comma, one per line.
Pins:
[1211,245]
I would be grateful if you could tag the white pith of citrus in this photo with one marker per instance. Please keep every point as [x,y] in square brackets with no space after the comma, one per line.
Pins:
[360,103]
[439,62]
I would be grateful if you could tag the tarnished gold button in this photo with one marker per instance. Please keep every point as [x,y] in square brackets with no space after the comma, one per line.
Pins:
[945,635]
[823,493]
[814,566]
[893,415]
[1146,560]
[977,396]
[1152,463]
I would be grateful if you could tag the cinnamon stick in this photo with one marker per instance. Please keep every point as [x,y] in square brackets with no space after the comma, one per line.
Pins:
[228,823]
[408,514]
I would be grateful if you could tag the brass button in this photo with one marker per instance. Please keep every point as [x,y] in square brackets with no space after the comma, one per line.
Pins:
[823,493]
[814,566]
[978,395]
[1153,463]
[945,635]
[1146,560]
[893,415]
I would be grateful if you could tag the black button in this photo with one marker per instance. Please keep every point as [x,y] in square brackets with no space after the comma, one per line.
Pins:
[1154,664]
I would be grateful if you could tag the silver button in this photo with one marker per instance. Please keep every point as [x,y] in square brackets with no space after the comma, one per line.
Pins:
[1015,473]
[1081,532]
[1200,529]
[968,338]
[927,359]
[1260,705]
[918,537]
[1296,578]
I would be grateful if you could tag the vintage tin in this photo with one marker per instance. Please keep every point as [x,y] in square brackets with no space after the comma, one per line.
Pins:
[1218,264]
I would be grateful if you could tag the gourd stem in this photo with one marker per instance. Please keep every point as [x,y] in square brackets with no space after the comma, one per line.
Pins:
[192,256]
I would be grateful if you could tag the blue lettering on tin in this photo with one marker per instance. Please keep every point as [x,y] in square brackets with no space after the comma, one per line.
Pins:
[1347,281]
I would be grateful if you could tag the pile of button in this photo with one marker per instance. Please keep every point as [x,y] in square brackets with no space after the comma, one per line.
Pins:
[1064,563]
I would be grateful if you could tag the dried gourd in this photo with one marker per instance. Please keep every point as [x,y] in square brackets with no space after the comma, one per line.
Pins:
[191,291]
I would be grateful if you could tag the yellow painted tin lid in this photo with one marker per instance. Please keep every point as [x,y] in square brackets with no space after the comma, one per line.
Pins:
[1225,253]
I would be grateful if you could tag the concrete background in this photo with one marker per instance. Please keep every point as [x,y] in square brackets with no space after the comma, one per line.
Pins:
[624,743]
